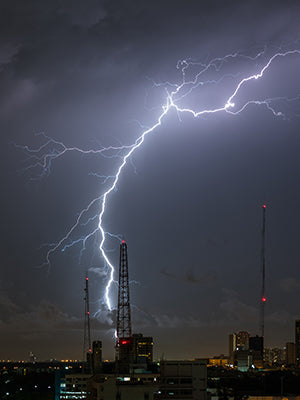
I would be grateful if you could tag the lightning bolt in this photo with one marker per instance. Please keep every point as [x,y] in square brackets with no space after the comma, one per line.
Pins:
[43,157]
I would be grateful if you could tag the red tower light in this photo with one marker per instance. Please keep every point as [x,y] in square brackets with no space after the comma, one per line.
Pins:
[264,206]
[263,299]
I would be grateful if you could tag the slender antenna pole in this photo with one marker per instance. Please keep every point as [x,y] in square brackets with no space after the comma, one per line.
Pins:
[263,265]
[87,329]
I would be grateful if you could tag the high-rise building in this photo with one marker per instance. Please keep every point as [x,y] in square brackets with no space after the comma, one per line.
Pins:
[243,360]
[242,340]
[290,354]
[256,348]
[142,348]
[232,347]
[256,343]
[274,356]
[97,356]
[238,341]
[297,341]
[240,352]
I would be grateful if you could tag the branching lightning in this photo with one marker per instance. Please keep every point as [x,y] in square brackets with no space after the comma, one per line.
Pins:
[175,94]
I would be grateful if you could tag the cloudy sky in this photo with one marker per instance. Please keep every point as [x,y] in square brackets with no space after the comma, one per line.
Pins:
[189,200]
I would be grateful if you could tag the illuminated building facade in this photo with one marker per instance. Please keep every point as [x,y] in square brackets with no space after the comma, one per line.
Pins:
[75,387]
[274,356]
[246,351]
[220,361]
[142,348]
[238,347]
[242,341]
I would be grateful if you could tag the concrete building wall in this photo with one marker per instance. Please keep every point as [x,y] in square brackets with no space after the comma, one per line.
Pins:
[122,387]
[183,380]
[290,355]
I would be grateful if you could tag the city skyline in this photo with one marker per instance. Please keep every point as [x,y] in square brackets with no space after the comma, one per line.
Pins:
[189,202]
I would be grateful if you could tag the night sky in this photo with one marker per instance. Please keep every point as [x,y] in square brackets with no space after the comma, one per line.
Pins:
[189,201]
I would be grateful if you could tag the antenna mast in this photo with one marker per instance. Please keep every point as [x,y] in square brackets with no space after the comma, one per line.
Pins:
[123,345]
[87,349]
[123,314]
[263,265]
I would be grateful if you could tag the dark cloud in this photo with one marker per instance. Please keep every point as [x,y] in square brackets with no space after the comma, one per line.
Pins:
[236,310]
[189,276]
[82,73]
[206,278]
[7,306]
[289,284]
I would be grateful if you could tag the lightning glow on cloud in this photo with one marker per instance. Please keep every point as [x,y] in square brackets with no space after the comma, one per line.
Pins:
[175,94]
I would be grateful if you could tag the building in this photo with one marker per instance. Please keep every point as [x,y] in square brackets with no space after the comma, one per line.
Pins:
[256,348]
[242,340]
[232,348]
[122,386]
[239,349]
[97,356]
[142,348]
[124,356]
[218,361]
[238,341]
[74,386]
[183,380]
[290,354]
[297,341]
[274,356]
[243,360]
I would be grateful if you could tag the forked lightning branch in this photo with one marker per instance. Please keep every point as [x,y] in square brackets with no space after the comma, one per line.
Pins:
[176,96]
